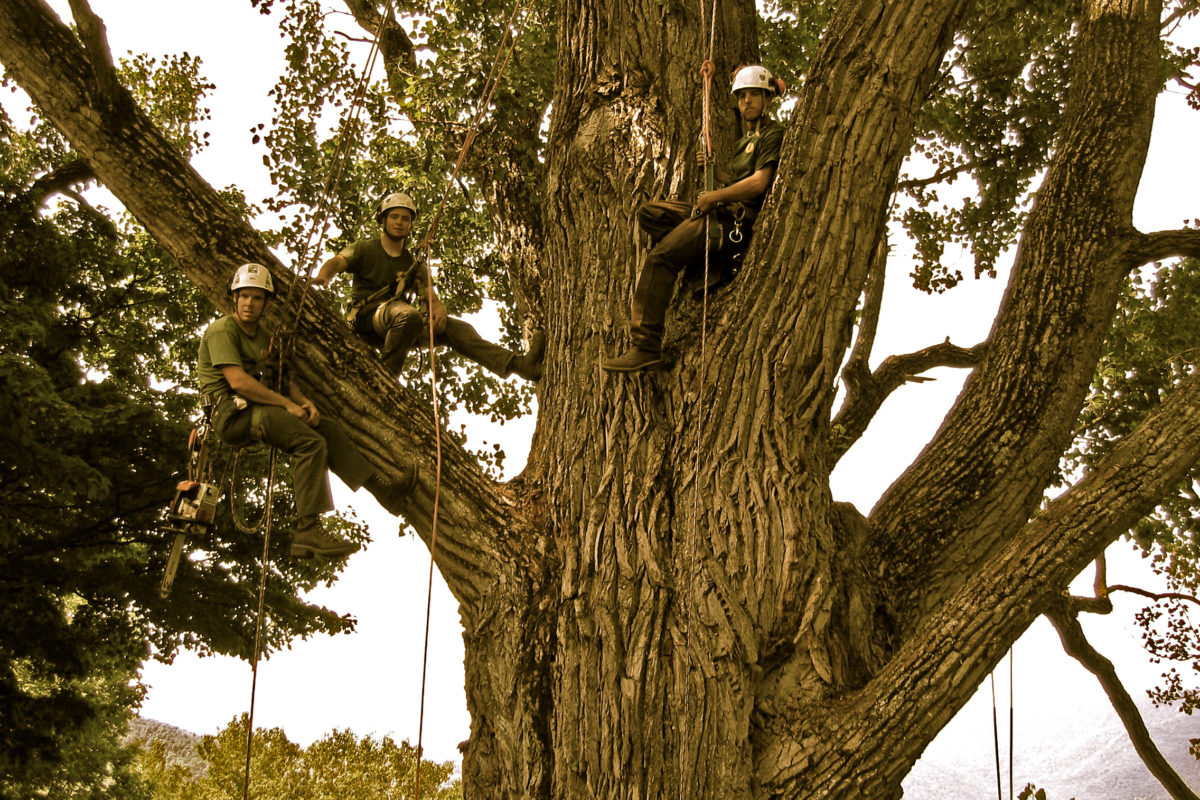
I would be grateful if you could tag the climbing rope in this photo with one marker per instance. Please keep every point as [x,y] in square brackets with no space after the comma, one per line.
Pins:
[258,625]
[1010,723]
[707,70]
[281,344]
[337,165]
[508,43]
[238,521]
[996,730]
[996,737]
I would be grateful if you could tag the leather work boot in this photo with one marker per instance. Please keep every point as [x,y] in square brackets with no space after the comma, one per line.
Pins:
[529,365]
[312,540]
[390,493]
[633,360]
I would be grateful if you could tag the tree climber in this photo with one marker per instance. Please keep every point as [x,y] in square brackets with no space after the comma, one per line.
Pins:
[678,233]
[234,357]
[384,273]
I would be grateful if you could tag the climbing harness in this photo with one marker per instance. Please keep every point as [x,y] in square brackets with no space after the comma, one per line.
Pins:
[739,214]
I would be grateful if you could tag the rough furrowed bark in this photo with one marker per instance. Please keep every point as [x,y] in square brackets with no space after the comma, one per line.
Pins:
[982,476]
[862,744]
[626,702]
[701,593]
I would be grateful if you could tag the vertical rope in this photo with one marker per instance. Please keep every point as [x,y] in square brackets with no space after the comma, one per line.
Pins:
[1010,723]
[996,738]
[258,625]
[499,63]
[707,69]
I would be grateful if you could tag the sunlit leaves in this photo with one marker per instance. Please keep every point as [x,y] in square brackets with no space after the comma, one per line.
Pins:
[338,766]
[171,90]
[991,125]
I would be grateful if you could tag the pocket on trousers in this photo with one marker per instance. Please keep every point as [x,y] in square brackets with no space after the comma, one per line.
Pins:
[231,423]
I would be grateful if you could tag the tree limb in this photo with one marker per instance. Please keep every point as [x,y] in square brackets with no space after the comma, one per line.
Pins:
[480,528]
[394,43]
[1187,598]
[73,172]
[989,464]
[1151,247]
[868,324]
[1075,643]
[965,636]
[865,392]
[95,40]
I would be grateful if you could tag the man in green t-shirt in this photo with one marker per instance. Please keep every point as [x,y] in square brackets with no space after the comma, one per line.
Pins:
[678,232]
[233,358]
[380,314]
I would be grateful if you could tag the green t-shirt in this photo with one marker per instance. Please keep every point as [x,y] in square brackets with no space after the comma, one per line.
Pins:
[373,268]
[754,151]
[226,344]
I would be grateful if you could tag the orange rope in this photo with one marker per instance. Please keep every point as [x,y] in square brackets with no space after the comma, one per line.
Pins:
[707,70]
[337,167]
[499,63]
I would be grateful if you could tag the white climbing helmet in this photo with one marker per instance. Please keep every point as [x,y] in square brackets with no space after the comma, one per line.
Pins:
[395,200]
[252,276]
[755,77]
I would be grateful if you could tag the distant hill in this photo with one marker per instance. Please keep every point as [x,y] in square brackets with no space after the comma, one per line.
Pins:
[179,744]
[1086,756]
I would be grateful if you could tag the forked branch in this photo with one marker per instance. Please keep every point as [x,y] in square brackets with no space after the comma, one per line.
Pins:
[866,391]
[1075,643]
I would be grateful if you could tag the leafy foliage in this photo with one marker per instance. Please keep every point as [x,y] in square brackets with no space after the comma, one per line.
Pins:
[97,323]
[1150,349]
[331,159]
[338,766]
[992,121]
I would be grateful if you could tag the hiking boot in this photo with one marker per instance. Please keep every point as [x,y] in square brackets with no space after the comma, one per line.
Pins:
[529,365]
[392,494]
[634,360]
[312,540]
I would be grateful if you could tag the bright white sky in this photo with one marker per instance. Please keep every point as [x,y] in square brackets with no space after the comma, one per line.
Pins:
[370,681]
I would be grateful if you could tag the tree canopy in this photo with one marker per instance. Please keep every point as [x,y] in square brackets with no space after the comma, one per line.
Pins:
[338,766]
[669,599]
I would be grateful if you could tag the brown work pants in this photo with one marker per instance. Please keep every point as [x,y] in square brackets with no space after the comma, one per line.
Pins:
[677,242]
[404,326]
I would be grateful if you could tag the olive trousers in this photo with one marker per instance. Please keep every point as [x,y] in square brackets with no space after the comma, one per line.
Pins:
[314,451]
[677,244]
[395,327]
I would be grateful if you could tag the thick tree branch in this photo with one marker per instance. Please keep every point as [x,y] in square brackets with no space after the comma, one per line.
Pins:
[479,526]
[865,392]
[936,669]
[1075,643]
[987,468]
[73,172]
[95,40]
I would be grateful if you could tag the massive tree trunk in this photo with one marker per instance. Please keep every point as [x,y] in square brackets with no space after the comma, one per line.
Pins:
[669,602]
